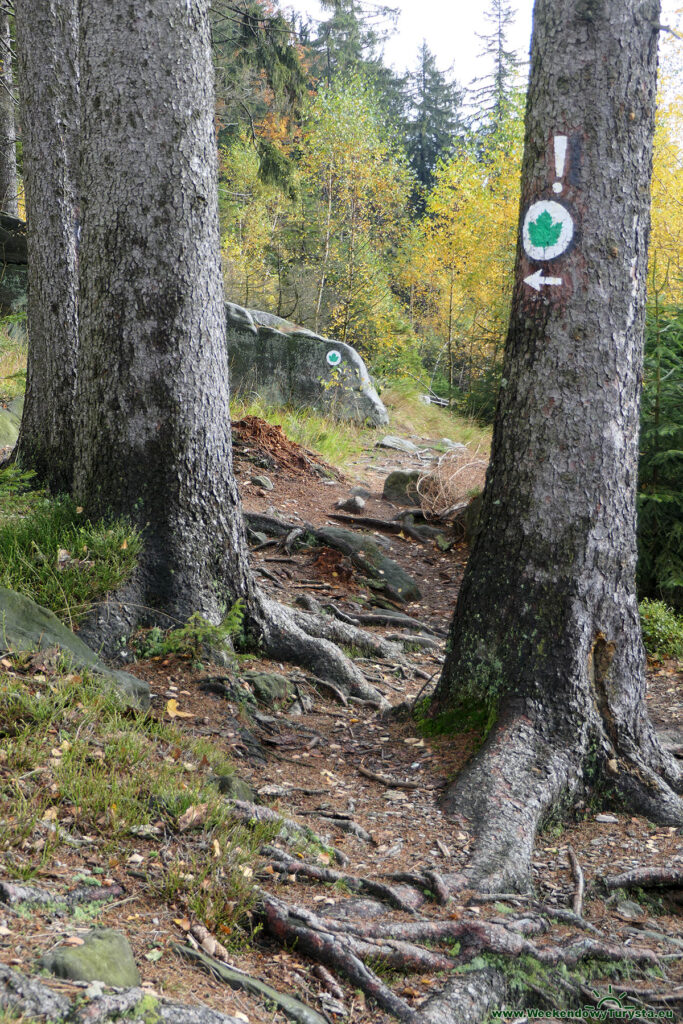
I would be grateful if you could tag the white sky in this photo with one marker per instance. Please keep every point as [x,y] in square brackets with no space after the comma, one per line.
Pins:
[450,27]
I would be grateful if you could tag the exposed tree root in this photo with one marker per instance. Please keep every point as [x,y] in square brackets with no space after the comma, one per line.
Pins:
[645,878]
[577,872]
[466,998]
[300,928]
[281,862]
[646,792]
[525,770]
[284,633]
[304,639]
[291,1007]
[345,944]
[501,796]
[387,780]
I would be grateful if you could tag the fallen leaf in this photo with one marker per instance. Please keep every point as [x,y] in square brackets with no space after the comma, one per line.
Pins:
[5,931]
[216,848]
[173,712]
[324,858]
[194,815]
[50,814]
[182,922]
[73,940]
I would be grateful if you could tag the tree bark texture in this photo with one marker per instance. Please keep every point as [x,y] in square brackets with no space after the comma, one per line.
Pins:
[8,137]
[47,46]
[153,423]
[153,413]
[546,632]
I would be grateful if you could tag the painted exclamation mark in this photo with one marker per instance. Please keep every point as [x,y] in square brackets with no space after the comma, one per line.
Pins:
[560,159]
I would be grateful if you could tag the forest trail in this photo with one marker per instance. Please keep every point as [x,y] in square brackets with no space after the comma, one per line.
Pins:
[366,783]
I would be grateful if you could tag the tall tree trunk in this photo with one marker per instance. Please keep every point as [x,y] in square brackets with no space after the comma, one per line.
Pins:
[153,430]
[47,47]
[450,336]
[546,633]
[326,254]
[154,419]
[8,139]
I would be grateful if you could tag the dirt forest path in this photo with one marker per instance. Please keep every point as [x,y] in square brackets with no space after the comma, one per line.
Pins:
[369,785]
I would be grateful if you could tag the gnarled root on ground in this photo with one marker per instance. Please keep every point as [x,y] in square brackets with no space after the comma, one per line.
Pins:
[310,640]
[349,945]
[501,796]
[283,633]
[521,774]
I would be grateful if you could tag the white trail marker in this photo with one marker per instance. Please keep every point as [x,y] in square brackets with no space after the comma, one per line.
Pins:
[547,230]
[537,280]
[560,159]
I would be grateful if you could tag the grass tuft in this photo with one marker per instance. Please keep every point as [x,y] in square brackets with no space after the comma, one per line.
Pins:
[49,552]
[411,416]
[334,441]
[75,762]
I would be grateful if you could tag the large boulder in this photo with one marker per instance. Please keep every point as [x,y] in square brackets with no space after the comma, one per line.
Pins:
[26,626]
[285,363]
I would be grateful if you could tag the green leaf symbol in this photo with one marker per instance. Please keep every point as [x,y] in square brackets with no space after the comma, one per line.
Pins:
[544,231]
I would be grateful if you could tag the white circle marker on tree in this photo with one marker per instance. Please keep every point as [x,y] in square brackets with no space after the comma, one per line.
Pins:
[547,230]
[334,357]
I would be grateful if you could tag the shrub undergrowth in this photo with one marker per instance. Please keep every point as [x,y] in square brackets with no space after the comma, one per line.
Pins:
[662,630]
[660,497]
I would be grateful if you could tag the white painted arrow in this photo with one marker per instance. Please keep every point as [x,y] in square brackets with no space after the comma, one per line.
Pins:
[537,280]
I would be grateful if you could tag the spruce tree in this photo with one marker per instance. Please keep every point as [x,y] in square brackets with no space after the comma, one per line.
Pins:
[494,93]
[351,38]
[433,120]
[545,645]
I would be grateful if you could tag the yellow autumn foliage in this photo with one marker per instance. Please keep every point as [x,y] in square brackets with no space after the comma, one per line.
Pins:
[666,239]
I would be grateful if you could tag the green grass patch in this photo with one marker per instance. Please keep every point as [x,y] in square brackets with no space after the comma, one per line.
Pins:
[337,442]
[13,348]
[662,630]
[76,762]
[55,556]
[411,416]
